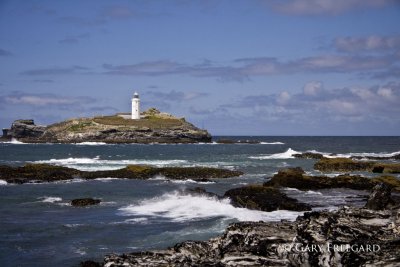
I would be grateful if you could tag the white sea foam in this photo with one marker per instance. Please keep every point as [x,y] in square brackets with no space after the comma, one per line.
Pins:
[50,199]
[14,142]
[2,182]
[140,220]
[310,192]
[288,154]
[91,144]
[73,225]
[90,164]
[183,207]
[272,143]
[107,179]
[360,154]
[190,181]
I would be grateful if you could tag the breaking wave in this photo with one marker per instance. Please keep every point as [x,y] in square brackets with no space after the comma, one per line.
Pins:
[183,207]
[50,199]
[272,143]
[90,164]
[285,155]
[359,154]
[90,144]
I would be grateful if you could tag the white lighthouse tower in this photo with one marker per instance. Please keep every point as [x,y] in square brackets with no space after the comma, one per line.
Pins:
[135,107]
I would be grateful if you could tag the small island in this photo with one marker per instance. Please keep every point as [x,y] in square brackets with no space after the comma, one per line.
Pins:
[150,126]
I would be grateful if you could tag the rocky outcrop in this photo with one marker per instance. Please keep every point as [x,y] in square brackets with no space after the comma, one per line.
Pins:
[350,165]
[348,237]
[153,127]
[50,173]
[380,198]
[26,129]
[83,202]
[259,197]
[296,178]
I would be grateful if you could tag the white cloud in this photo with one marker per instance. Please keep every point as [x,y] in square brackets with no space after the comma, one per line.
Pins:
[385,92]
[312,88]
[324,7]
[283,98]
[368,43]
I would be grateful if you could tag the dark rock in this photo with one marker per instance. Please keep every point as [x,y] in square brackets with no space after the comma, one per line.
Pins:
[50,173]
[258,197]
[378,169]
[288,243]
[201,191]
[82,202]
[90,263]
[380,197]
[309,155]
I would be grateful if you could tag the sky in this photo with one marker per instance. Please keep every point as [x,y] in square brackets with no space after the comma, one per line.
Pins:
[243,67]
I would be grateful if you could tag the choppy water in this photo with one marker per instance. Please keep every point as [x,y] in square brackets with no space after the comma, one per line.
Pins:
[39,228]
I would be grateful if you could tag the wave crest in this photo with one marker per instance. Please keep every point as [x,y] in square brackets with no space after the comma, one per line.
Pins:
[185,207]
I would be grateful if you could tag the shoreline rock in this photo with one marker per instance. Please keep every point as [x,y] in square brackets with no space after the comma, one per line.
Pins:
[347,164]
[50,173]
[347,237]
[296,178]
[259,197]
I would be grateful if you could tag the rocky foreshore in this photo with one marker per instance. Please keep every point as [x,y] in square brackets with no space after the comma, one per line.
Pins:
[297,178]
[347,237]
[49,173]
[346,165]
[153,127]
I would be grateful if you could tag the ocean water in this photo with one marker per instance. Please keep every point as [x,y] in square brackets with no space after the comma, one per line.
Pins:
[38,227]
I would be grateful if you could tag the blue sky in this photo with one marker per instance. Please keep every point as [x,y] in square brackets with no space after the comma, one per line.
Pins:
[243,67]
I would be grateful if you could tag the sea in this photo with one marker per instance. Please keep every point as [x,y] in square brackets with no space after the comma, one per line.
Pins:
[38,226]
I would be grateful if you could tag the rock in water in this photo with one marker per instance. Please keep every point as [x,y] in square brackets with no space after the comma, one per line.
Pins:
[82,202]
[380,197]
[259,197]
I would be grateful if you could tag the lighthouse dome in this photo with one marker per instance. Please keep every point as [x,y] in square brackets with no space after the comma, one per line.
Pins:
[135,95]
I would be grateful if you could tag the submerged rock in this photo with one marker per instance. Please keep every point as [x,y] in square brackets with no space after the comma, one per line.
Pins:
[82,202]
[259,197]
[308,155]
[51,173]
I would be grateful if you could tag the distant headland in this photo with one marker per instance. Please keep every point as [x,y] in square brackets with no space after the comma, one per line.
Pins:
[150,126]
[153,126]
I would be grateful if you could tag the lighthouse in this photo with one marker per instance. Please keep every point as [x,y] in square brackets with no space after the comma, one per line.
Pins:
[135,107]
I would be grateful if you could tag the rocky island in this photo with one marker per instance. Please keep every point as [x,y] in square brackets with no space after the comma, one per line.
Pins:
[153,126]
